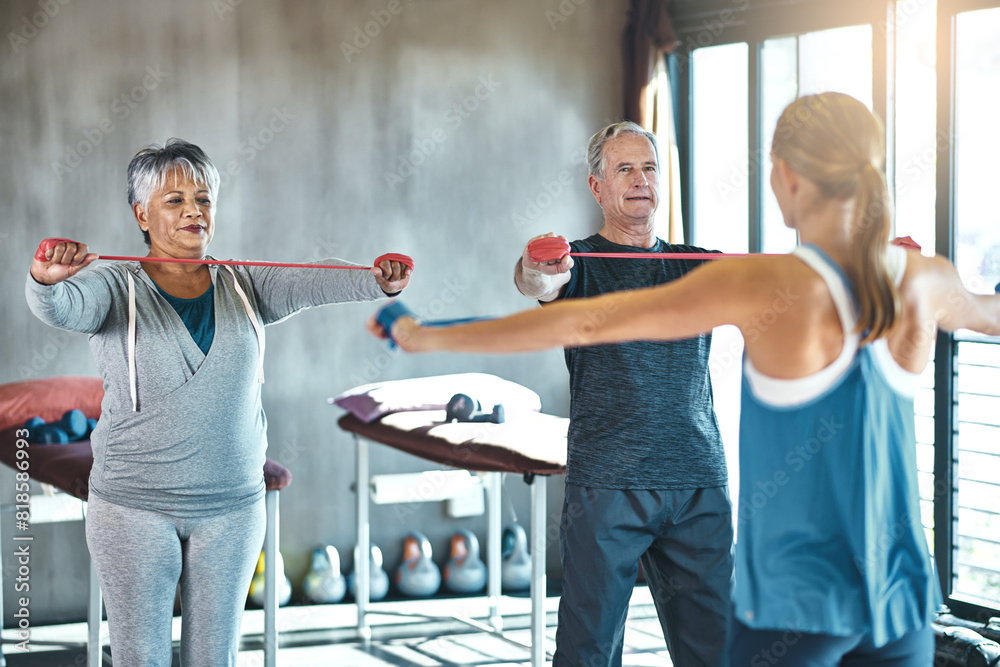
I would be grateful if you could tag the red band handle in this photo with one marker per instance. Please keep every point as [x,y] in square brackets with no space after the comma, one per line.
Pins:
[48,244]
[548,249]
[395,257]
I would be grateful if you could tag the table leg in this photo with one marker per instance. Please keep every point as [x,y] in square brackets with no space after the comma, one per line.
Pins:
[494,563]
[362,559]
[538,517]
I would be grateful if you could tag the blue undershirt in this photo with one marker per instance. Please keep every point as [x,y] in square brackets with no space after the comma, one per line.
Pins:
[197,314]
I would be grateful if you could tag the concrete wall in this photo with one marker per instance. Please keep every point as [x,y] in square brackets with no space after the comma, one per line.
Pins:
[444,136]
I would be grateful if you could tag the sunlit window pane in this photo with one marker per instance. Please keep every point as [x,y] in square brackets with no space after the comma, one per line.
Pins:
[720,147]
[977,241]
[780,86]
[837,60]
[916,122]
[977,147]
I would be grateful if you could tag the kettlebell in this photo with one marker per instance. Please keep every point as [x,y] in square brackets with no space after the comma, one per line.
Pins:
[324,584]
[465,572]
[418,575]
[378,578]
[515,570]
[463,408]
[257,583]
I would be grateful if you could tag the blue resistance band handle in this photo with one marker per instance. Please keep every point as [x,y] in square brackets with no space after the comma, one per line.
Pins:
[387,317]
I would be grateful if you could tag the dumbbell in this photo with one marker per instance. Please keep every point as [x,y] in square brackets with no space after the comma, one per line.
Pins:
[45,434]
[462,408]
[74,425]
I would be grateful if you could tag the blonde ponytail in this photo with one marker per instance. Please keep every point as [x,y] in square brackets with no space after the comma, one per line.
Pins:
[835,142]
[877,297]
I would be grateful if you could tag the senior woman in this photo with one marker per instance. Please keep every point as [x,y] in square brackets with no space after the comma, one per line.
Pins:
[177,489]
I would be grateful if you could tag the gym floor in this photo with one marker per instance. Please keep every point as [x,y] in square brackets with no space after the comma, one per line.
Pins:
[314,636]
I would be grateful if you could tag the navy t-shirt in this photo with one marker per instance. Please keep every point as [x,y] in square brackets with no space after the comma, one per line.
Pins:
[641,414]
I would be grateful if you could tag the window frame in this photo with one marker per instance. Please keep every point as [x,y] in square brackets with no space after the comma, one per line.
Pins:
[946,367]
[704,23]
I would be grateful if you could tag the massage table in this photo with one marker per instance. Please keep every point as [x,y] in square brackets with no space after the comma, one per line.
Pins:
[531,444]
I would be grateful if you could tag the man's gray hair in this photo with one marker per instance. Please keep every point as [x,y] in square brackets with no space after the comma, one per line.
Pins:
[595,150]
[148,171]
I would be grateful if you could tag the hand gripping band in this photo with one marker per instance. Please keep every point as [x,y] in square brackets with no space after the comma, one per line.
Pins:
[395,257]
[388,315]
[46,244]
[548,249]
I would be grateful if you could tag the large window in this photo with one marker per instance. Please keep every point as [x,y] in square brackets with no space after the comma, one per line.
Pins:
[976,537]
[932,73]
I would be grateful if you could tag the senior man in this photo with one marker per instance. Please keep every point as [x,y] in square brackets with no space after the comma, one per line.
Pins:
[646,472]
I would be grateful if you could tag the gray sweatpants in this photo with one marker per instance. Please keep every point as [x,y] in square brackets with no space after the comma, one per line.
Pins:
[141,556]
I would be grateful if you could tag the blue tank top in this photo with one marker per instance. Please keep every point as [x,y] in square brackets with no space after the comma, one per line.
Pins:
[198,315]
[829,535]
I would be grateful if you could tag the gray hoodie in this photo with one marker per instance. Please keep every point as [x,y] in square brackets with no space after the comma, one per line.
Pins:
[195,443]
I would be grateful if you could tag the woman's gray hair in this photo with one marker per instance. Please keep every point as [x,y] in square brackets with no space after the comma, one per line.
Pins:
[148,171]
[595,150]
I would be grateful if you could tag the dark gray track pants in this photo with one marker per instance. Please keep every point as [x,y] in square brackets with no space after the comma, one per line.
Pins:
[685,541]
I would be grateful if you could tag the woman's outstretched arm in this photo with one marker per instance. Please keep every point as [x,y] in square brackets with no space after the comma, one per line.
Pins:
[955,307]
[711,295]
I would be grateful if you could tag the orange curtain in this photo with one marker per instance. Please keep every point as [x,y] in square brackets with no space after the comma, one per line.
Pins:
[649,37]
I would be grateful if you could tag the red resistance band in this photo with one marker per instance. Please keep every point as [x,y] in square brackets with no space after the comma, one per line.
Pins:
[46,244]
[552,248]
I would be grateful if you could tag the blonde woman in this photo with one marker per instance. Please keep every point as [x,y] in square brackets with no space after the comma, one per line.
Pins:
[832,567]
